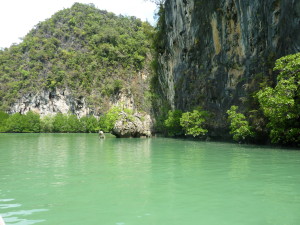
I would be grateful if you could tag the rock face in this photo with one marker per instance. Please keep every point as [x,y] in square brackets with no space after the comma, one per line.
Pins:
[47,102]
[137,125]
[51,102]
[217,52]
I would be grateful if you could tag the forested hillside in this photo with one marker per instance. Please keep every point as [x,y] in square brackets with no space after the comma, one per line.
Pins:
[92,53]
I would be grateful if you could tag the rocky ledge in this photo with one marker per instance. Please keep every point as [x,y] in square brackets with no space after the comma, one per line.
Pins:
[136,125]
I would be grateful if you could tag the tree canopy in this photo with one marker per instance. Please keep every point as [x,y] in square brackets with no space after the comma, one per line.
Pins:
[281,104]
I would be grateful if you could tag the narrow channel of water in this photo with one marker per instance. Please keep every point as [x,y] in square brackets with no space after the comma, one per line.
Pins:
[77,179]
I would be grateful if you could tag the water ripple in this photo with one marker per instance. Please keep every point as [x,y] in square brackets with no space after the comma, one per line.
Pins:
[7,206]
[23,212]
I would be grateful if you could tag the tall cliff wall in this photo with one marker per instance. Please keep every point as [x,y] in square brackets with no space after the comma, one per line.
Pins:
[216,52]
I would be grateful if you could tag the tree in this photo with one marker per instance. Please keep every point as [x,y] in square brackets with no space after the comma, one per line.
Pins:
[107,122]
[47,124]
[15,123]
[172,123]
[60,123]
[32,122]
[239,126]
[73,124]
[281,104]
[3,117]
[89,124]
[192,122]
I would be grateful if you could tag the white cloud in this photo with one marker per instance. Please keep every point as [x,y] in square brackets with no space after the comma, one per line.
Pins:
[17,17]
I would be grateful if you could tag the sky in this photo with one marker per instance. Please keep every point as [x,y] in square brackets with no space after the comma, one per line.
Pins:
[18,17]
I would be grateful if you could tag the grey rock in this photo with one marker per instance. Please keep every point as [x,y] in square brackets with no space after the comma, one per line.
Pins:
[51,102]
[101,134]
[137,125]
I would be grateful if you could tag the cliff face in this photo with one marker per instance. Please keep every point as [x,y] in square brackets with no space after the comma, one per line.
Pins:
[218,51]
[51,102]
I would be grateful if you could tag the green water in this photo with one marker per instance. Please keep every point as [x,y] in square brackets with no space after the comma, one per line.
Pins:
[77,179]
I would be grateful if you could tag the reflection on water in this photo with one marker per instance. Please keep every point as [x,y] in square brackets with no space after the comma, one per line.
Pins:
[69,178]
[239,165]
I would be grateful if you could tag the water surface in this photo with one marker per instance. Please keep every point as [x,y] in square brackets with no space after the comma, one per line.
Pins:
[75,179]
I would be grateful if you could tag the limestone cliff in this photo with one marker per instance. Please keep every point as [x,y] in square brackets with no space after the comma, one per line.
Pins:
[51,102]
[217,52]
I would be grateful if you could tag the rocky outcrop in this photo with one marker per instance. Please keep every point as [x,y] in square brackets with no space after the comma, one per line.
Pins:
[217,52]
[50,102]
[123,99]
[137,125]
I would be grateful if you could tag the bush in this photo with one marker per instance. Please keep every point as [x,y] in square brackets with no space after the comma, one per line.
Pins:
[281,104]
[172,123]
[239,126]
[15,123]
[89,124]
[3,118]
[73,124]
[60,123]
[107,122]
[192,122]
[47,124]
[32,122]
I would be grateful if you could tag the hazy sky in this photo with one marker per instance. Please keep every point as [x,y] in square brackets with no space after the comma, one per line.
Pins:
[18,17]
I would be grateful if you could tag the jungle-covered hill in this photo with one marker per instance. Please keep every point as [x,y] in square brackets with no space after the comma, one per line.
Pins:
[91,52]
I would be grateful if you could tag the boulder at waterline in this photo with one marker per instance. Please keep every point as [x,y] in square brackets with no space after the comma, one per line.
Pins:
[136,125]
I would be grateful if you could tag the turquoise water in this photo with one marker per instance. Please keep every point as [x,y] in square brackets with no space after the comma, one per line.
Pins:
[77,179]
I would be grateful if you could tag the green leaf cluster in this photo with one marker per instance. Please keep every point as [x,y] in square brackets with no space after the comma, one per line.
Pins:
[172,123]
[192,122]
[281,104]
[3,117]
[108,120]
[239,126]
[188,123]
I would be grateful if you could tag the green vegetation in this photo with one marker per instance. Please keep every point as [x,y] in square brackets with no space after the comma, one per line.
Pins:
[17,123]
[172,123]
[188,123]
[281,104]
[278,112]
[3,117]
[239,126]
[89,51]
[108,121]
[192,122]
[60,123]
